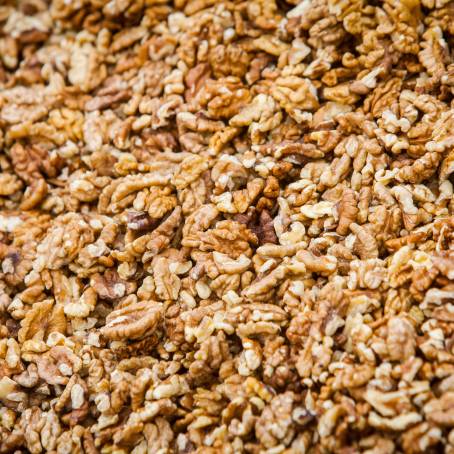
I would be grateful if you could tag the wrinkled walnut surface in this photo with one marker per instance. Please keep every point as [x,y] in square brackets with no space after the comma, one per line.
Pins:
[226,226]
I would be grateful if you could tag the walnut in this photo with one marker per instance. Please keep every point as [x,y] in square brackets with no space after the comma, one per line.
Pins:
[31,424]
[239,201]
[228,60]
[30,162]
[276,424]
[57,364]
[121,193]
[324,264]
[167,284]
[190,169]
[87,70]
[410,213]
[251,357]
[157,201]
[63,242]
[347,211]
[196,195]
[110,286]
[223,98]
[340,93]
[365,243]
[195,79]
[34,194]
[401,339]
[41,320]
[398,423]
[264,14]
[147,246]
[68,122]
[261,116]
[228,173]
[263,286]
[264,319]
[422,169]
[440,411]
[420,437]
[271,45]
[127,37]
[209,358]
[9,184]
[446,167]
[29,378]
[50,431]
[103,102]
[352,376]
[388,403]
[132,320]
[228,237]
[368,273]
[74,396]
[159,435]
[197,222]
[297,96]
[331,176]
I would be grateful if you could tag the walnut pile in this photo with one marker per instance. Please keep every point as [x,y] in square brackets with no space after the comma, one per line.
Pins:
[226,226]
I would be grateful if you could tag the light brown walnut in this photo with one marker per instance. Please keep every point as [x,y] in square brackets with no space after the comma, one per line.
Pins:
[133,320]
[228,237]
[42,319]
[348,211]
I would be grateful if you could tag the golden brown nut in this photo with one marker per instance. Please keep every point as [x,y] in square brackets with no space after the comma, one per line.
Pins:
[133,321]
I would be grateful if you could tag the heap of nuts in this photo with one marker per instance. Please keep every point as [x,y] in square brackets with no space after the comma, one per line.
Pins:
[226,226]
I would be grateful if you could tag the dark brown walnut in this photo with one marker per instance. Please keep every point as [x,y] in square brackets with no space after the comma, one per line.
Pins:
[31,162]
[110,286]
[264,228]
[261,224]
[105,101]
[140,220]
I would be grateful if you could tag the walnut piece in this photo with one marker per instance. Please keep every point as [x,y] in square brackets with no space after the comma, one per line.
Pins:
[133,320]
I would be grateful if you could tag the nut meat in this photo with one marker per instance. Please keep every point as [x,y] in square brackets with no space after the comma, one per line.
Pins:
[226,226]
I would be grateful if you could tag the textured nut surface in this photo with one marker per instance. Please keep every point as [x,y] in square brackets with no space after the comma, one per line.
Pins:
[226,226]
[132,321]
